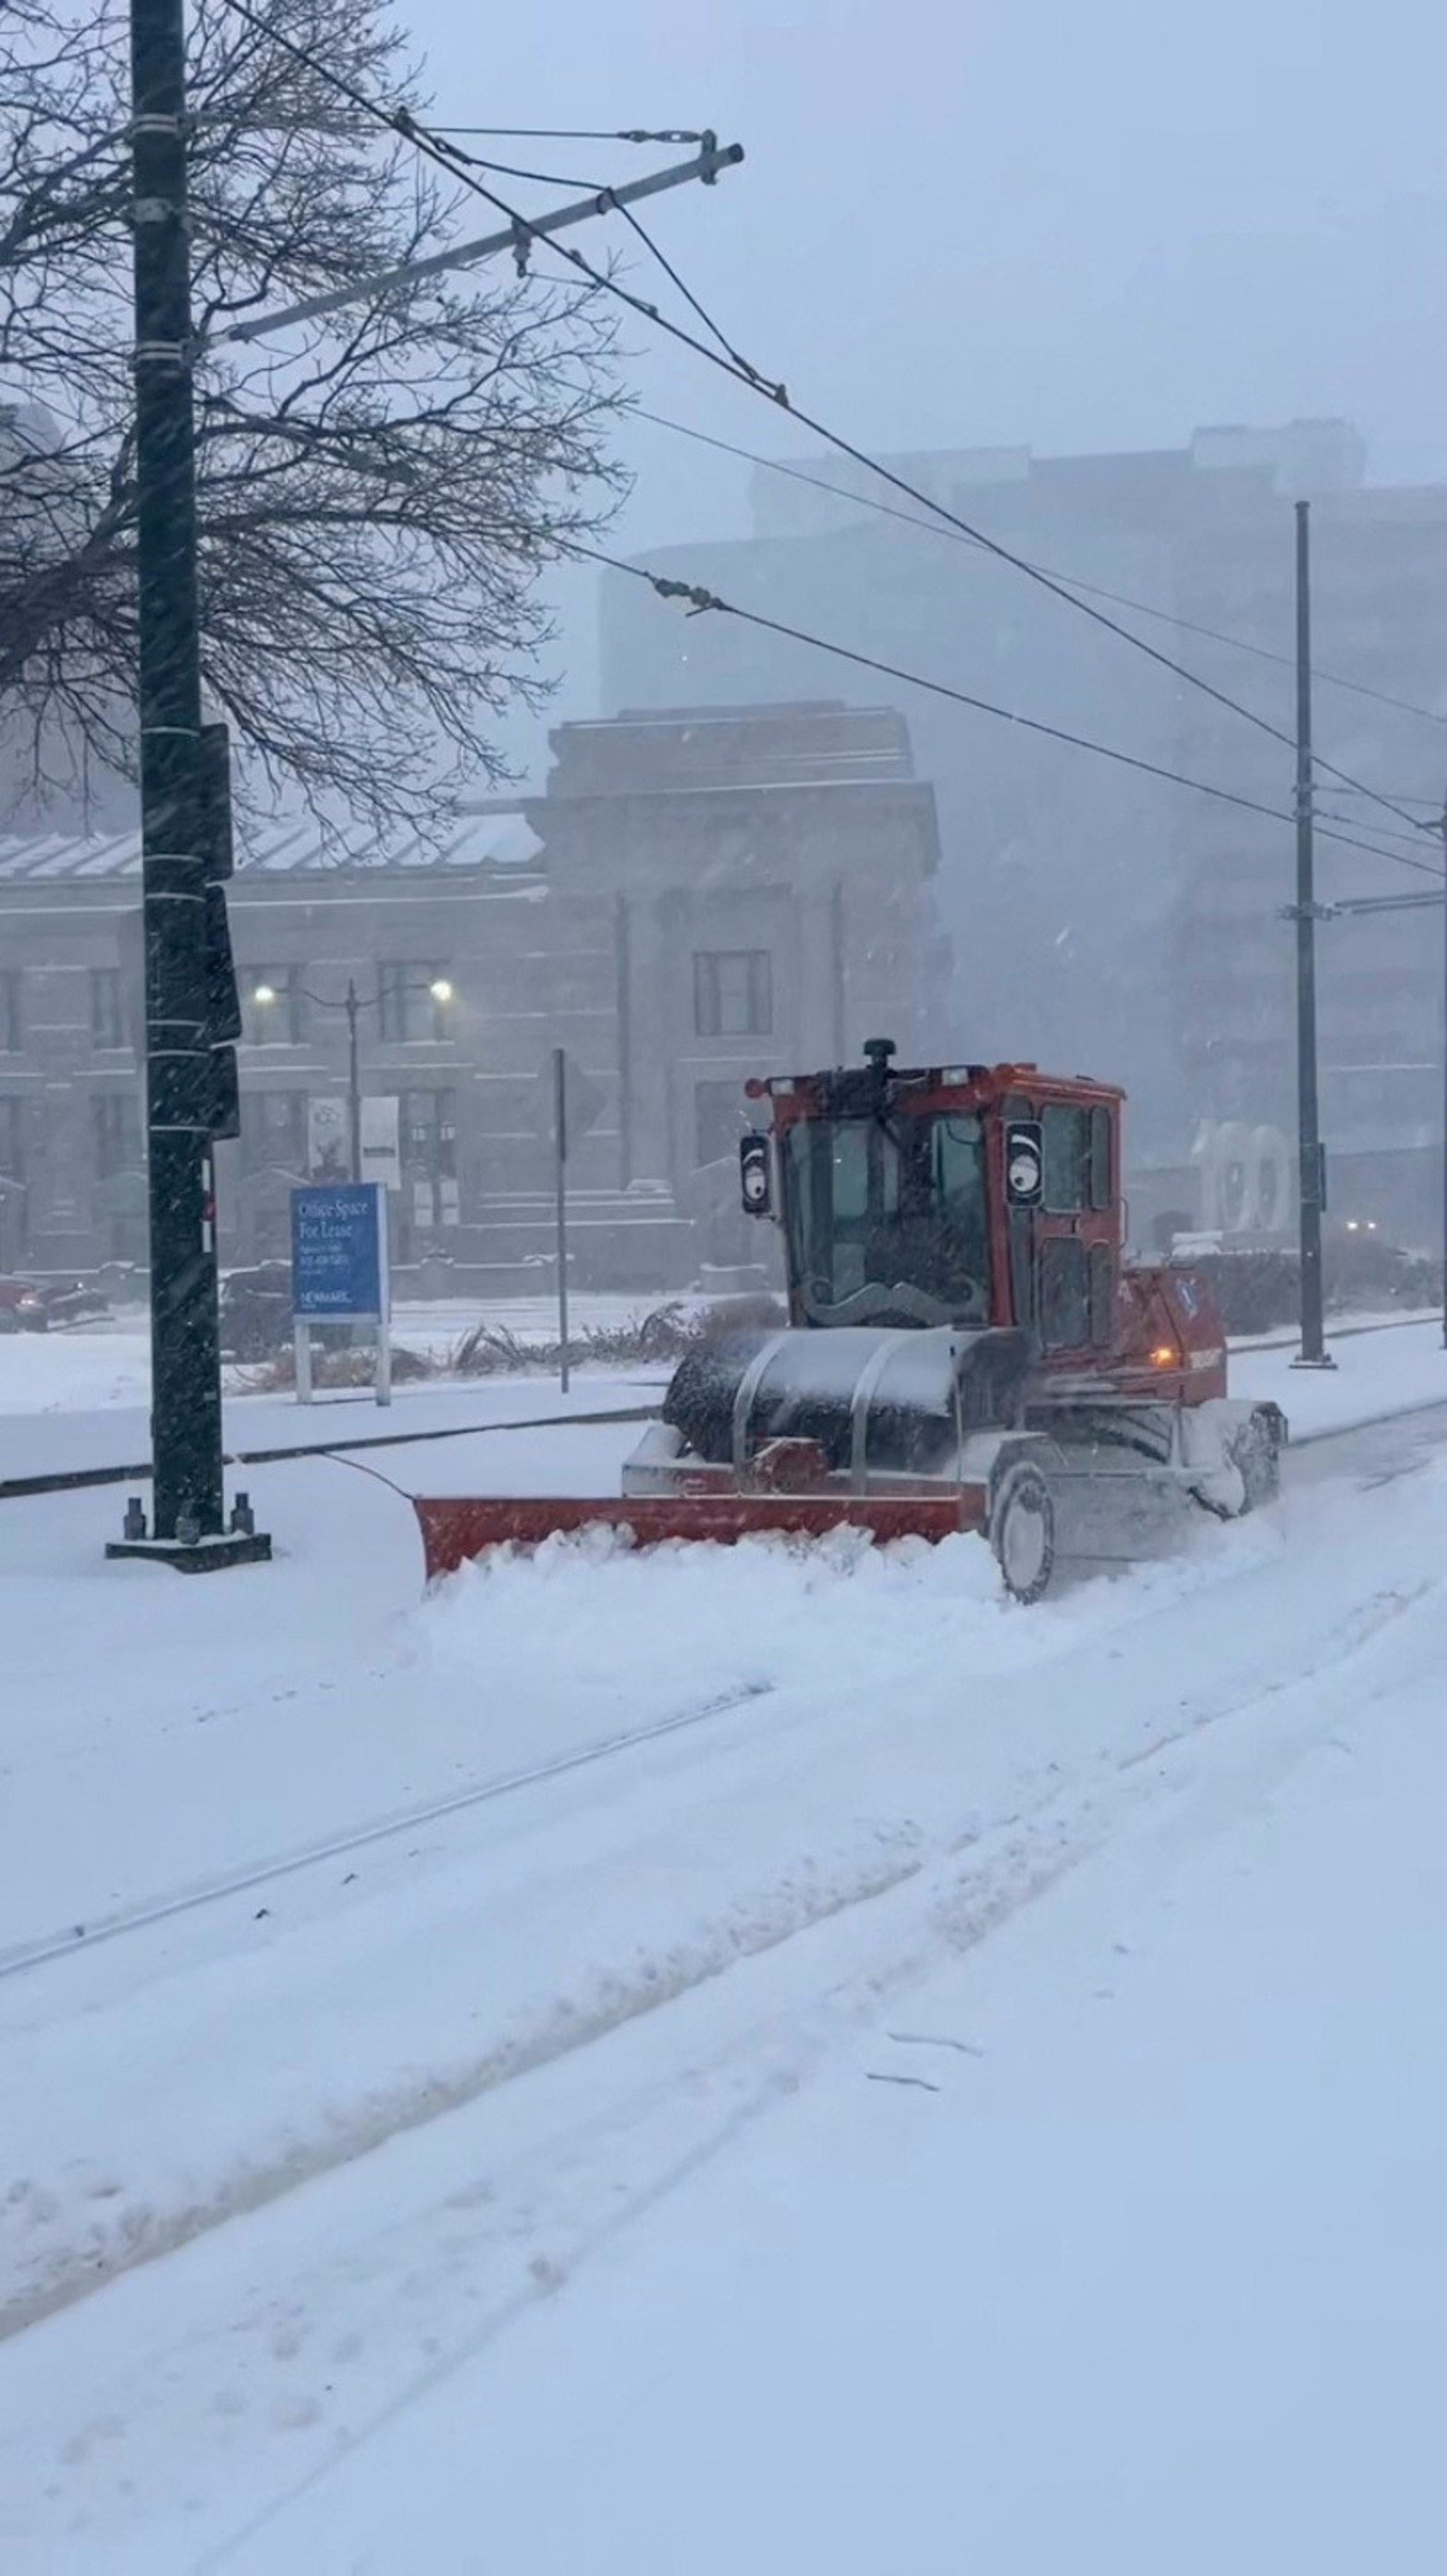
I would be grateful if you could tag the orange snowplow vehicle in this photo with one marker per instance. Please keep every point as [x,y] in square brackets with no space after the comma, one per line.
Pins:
[967,1346]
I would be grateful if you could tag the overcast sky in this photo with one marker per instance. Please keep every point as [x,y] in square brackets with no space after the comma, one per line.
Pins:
[1083,225]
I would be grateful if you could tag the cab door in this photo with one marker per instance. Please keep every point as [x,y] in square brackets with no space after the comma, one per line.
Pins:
[1076,1231]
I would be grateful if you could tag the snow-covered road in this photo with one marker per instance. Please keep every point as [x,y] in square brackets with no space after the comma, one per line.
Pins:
[1114,2244]
[341,2140]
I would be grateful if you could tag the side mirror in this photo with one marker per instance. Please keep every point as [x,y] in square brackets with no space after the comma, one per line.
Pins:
[756,1178]
[1024,1162]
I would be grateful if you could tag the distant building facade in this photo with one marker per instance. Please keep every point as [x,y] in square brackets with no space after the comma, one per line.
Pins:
[48,778]
[1102,917]
[697,896]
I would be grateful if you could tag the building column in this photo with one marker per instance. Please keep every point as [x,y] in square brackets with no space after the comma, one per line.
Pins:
[653,968]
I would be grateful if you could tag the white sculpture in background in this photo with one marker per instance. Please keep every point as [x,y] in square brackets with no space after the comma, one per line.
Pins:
[1244,1180]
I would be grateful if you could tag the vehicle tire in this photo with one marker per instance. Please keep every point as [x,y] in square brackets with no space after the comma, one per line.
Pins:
[1257,1455]
[1022,1530]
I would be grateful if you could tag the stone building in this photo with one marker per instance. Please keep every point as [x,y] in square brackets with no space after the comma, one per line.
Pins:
[695,897]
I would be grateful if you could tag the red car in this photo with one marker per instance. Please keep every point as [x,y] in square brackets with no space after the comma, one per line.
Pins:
[23,1307]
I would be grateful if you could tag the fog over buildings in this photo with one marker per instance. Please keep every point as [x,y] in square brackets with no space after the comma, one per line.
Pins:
[1116,289]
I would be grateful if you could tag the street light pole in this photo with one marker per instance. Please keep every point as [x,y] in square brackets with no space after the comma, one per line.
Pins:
[1311,1185]
[354,1080]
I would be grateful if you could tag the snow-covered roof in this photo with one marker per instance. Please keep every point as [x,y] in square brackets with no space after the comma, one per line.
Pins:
[496,840]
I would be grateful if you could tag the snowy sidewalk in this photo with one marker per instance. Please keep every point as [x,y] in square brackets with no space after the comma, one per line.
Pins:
[78,1400]
[1378,1373]
[60,1440]
[93,1366]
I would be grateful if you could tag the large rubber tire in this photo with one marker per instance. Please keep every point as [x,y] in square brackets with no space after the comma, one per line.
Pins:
[1022,1530]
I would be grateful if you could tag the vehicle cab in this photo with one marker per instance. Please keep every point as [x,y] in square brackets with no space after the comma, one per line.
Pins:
[968,1195]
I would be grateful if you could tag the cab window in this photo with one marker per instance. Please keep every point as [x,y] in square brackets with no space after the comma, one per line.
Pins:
[1064,1293]
[1022,1238]
[1102,1294]
[1067,1159]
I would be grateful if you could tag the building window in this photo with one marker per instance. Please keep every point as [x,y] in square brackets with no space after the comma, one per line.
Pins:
[429,1158]
[12,1140]
[733,992]
[116,1129]
[429,1122]
[12,1183]
[107,1026]
[1064,1293]
[12,1023]
[274,1131]
[407,1007]
[718,1120]
[274,1020]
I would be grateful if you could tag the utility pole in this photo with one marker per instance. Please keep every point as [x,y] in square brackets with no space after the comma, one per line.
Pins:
[189,1502]
[1311,1193]
[354,1081]
[560,1203]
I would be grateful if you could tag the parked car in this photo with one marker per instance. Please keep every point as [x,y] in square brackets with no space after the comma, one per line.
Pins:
[256,1318]
[256,1311]
[22,1307]
[71,1302]
[33,1305]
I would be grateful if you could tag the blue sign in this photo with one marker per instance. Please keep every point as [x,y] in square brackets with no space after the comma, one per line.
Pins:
[338,1258]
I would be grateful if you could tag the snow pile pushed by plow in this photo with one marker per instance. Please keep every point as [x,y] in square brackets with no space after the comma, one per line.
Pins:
[773,1608]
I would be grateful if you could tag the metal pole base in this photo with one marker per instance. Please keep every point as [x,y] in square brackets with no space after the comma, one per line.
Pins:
[1325,1362]
[199,1555]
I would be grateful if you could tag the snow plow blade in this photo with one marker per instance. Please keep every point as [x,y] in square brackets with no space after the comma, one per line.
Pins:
[455,1530]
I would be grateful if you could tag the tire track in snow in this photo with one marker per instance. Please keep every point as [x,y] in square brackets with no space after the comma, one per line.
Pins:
[245,1882]
[139,2233]
[1034,1841]
[589,2187]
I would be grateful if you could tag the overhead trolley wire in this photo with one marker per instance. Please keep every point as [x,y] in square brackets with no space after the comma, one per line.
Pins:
[729,361]
[1072,581]
[698,601]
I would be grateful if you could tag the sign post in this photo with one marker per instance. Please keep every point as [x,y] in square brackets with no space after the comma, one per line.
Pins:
[567,1100]
[560,1165]
[339,1271]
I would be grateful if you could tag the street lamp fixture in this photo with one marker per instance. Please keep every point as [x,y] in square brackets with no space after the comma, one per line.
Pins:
[440,987]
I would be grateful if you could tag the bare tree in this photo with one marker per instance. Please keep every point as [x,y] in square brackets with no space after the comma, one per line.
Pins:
[378,494]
